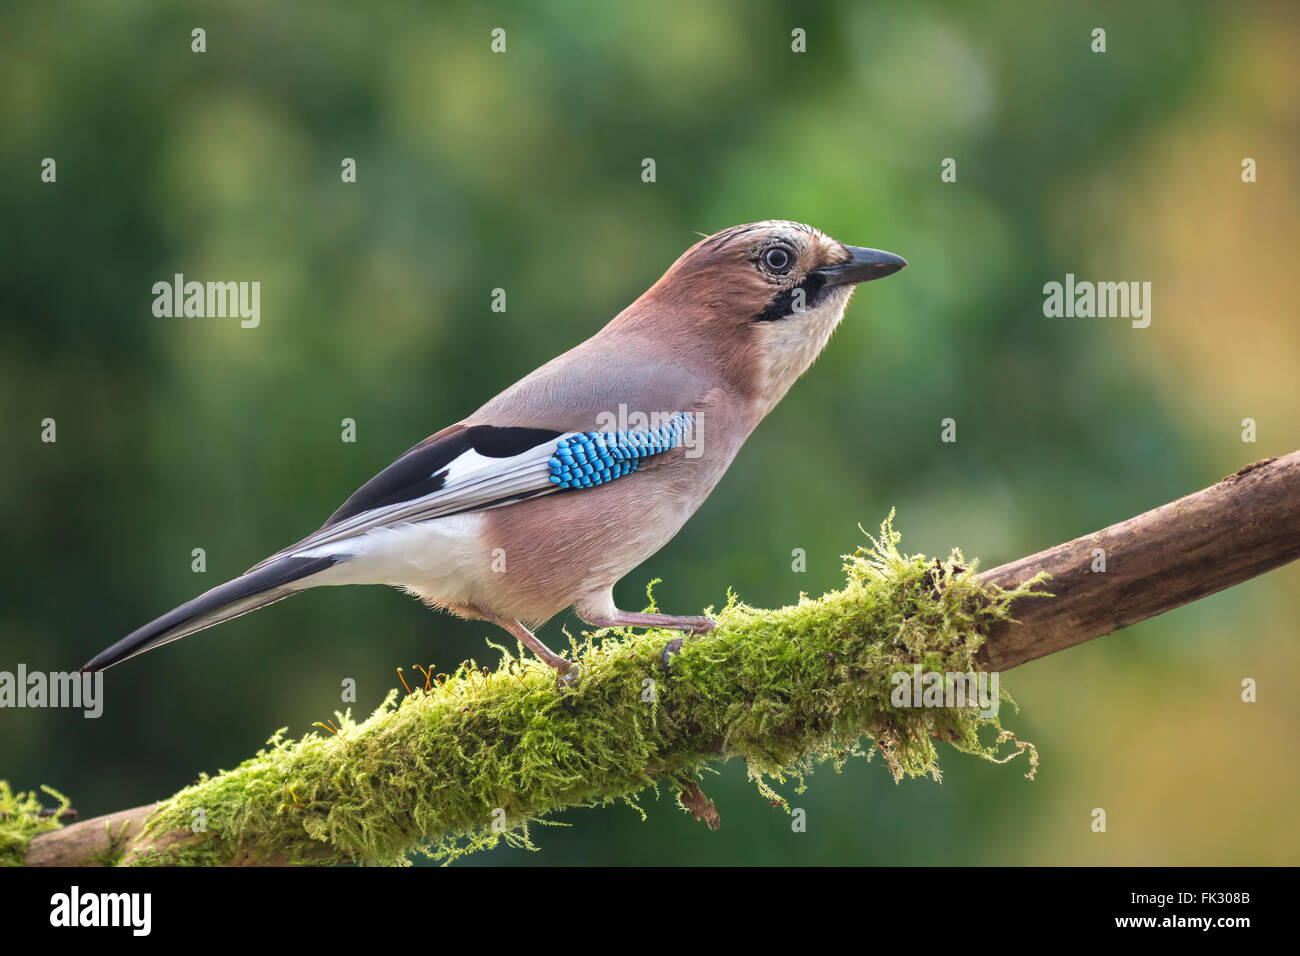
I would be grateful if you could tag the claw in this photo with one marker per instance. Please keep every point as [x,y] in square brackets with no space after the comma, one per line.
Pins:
[672,647]
[566,681]
[568,678]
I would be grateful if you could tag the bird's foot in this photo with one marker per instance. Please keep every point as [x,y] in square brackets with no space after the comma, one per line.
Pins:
[672,647]
[567,677]
[566,683]
[567,673]
[690,625]
[698,624]
[675,645]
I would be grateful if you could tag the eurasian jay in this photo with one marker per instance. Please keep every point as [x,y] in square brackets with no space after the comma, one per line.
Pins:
[554,490]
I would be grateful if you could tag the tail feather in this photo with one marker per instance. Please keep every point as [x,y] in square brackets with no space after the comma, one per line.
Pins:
[257,588]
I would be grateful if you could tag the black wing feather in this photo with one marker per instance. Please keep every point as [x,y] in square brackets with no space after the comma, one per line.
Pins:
[423,469]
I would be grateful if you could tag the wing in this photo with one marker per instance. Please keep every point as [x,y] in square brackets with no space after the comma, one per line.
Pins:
[455,459]
[477,467]
[532,439]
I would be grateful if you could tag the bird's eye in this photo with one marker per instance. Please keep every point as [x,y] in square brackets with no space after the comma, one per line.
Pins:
[779,259]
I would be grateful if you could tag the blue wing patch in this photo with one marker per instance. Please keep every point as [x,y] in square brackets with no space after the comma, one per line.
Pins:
[482,467]
[587,459]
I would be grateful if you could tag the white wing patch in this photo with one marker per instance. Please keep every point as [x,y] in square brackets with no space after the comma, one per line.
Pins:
[476,482]
[473,482]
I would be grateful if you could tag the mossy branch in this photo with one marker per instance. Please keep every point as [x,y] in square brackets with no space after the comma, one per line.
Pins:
[464,762]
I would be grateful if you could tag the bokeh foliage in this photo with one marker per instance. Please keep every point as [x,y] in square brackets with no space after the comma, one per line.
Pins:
[522,171]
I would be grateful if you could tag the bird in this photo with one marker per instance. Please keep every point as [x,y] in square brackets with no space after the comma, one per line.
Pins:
[551,492]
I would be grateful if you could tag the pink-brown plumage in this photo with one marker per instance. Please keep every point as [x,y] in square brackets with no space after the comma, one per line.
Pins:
[469,520]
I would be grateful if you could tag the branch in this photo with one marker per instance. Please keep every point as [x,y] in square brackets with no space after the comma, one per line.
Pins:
[466,761]
[1245,525]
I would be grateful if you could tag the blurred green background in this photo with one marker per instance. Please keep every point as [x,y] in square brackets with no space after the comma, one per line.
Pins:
[522,171]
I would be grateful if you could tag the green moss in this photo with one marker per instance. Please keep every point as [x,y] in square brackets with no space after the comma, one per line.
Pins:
[21,819]
[484,755]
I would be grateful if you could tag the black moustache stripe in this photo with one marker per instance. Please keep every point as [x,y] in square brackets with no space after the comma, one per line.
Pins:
[782,304]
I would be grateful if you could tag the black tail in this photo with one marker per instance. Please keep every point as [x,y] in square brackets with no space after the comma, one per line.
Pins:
[255,589]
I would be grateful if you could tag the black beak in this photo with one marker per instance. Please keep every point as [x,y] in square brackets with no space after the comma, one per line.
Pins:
[863,266]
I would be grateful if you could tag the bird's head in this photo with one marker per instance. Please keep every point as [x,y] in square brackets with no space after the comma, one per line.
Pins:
[768,293]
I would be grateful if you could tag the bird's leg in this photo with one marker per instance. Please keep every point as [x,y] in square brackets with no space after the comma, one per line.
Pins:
[567,672]
[692,625]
